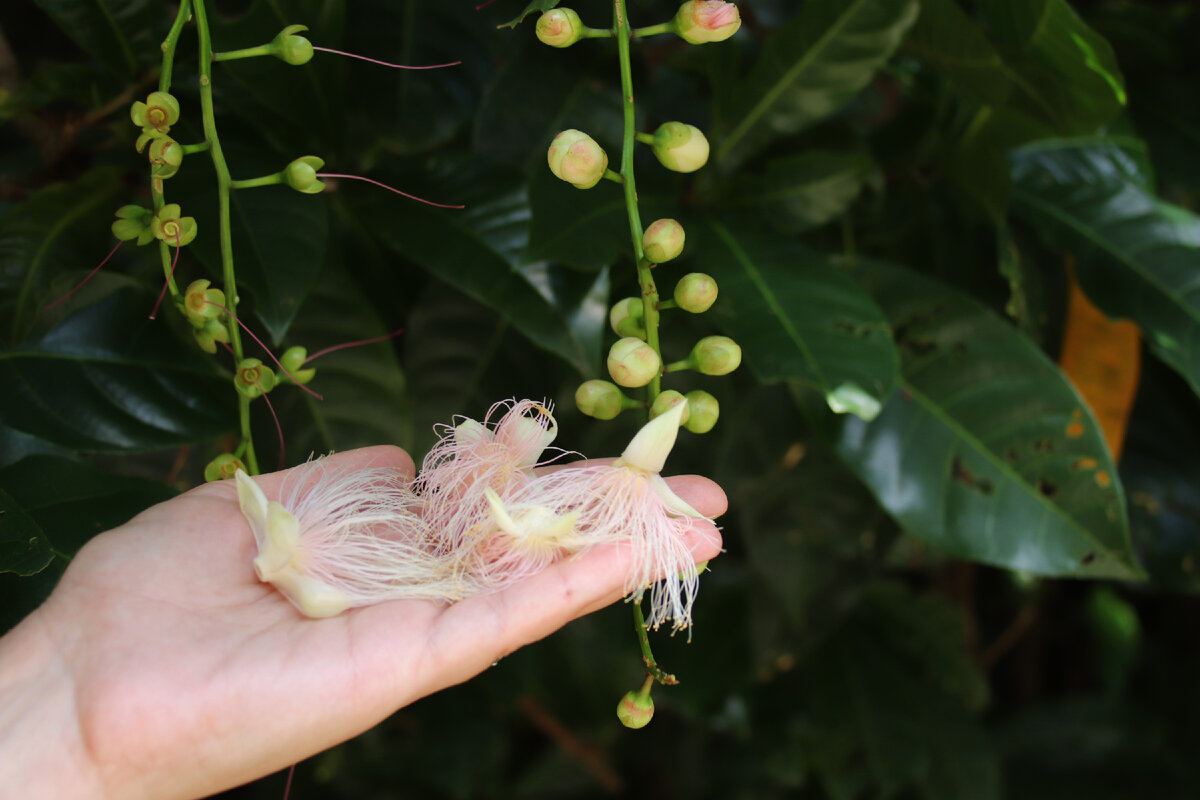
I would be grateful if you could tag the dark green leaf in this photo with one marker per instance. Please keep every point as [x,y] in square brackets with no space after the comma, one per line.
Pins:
[52,505]
[810,68]
[799,318]
[534,5]
[123,34]
[986,451]
[945,36]
[804,191]
[110,379]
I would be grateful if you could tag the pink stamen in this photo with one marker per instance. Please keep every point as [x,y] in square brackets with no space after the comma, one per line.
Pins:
[287,789]
[250,333]
[389,188]
[167,282]
[278,427]
[359,343]
[484,5]
[79,285]
[384,63]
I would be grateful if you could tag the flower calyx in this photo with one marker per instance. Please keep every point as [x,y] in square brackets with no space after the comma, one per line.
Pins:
[172,228]
[253,378]
[680,147]
[202,305]
[156,115]
[223,467]
[704,21]
[165,156]
[134,222]
[705,410]
[288,46]
[632,362]
[636,709]
[627,317]
[666,401]
[663,241]
[696,292]
[576,158]
[301,175]
[601,399]
[716,355]
[293,361]
[559,27]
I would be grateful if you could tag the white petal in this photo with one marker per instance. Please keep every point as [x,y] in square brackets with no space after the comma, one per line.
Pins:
[312,597]
[672,501]
[649,448]
[254,506]
[503,520]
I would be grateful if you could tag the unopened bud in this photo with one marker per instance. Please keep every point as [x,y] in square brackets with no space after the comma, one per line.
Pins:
[635,709]
[223,467]
[253,378]
[559,27]
[289,47]
[662,241]
[301,174]
[704,410]
[599,399]
[680,147]
[165,156]
[632,362]
[576,158]
[628,317]
[208,334]
[716,355]
[293,361]
[703,21]
[696,292]
[668,400]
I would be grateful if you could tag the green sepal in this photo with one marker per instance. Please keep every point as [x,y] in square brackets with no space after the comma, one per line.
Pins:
[253,378]
[223,467]
[210,333]
[301,174]
[289,47]
[293,363]
[133,211]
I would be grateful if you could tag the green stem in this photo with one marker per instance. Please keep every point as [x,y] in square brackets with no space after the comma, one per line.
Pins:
[652,30]
[245,52]
[251,183]
[596,33]
[199,147]
[639,623]
[644,138]
[666,304]
[224,182]
[612,176]
[679,366]
[169,44]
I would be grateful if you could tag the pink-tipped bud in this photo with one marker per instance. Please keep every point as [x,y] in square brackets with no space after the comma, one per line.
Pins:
[223,467]
[662,241]
[599,399]
[632,362]
[704,411]
[696,292]
[680,147]
[576,158]
[716,355]
[635,710]
[559,27]
[668,400]
[628,317]
[703,21]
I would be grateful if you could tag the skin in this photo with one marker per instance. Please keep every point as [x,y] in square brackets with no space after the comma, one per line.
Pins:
[161,668]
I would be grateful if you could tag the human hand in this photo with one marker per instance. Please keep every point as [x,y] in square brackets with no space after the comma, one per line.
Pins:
[161,667]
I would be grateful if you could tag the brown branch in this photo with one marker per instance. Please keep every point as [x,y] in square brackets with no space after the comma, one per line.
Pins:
[1011,635]
[590,757]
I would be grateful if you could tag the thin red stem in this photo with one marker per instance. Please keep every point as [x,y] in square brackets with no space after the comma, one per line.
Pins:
[79,285]
[278,428]
[287,789]
[384,63]
[359,343]
[250,333]
[389,188]
[167,282]
[484,5]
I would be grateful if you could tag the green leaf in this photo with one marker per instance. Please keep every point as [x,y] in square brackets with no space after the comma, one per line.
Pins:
[801,192]
[122,34]
[799,318]
[52,505]
[946,37]
[109,379]
[810,68]
[1135,254]
[534,5]
[986,451]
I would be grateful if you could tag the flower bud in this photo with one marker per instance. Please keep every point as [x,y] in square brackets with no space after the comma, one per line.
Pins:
[211,332]
[133,222]
[223,467]
[165,156]
[599,399]
[704,411]
[293,361]
[680,147]
[201,304]
[289,47]
[702,21]
[576,158]
[172,228]
[301,175]
[668,400]
[635,709]
[628,318]
[559,27]
[696,292]
[716,355]
[662,241]
[158,113]
[253,378]
[632,362]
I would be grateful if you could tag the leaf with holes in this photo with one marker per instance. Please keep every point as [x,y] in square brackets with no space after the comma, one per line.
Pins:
[986,451]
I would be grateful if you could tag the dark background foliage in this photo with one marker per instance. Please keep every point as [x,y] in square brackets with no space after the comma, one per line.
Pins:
[960,596]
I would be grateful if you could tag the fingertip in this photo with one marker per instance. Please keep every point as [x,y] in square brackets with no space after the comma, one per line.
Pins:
[701,493]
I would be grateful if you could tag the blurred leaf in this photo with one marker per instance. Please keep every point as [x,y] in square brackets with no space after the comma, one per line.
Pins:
[54,505]
[583,229]
[122,34]
[800,192]
[946,37]
[109,379]
[534,5]
[810,68]
[15,445]
[1135,255]
[799,318]
[986,451]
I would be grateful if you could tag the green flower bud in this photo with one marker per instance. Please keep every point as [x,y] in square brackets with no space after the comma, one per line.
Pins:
[716,355]
[253,378]
[289,47]
[158,113]
[702,21]
[201,304]
[680,147]
[662,241]
[627,317]
[133,222]
[668,400]
[703,411]
[223,467]
[211,332]
[301,174]
[576,158]
[165,156]
[632,362]
[172,228]
[559,27]
[696,292]
[293,361]
[599,399]
[635,709]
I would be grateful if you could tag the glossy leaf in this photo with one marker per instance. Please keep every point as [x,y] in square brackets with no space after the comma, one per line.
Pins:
[799,318]
[800,192]
[949,39]
[810,68]
[54,505]
[109,379]
[986,451]
[1135,255]
[121,34]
